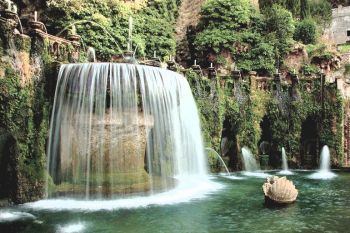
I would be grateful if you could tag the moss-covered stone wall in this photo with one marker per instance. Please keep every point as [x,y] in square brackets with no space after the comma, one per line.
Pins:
[301,117]
[28,75]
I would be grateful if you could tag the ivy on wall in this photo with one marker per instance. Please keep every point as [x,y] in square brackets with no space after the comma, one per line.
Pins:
[217,102]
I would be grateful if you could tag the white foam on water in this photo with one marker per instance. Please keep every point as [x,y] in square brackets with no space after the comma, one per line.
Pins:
[322,175]
[71,228]
[285,172]
[256,174]
[231,177]
[11,216]
[193,188]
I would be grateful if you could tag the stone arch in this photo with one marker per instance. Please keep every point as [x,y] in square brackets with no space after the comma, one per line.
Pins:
[309,143]
[7,147]
[265,143]
[228,145]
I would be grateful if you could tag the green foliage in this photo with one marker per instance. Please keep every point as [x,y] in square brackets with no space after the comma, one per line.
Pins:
[344,48]
[104,25]
[304,9]
[308,69]
[225,14]
[24,115]
[321,11]
[320,52]
[306,31]
[217,102]
[208,98]
[347,69]
[266,4]
[234,26]
[293,6]
[281,28]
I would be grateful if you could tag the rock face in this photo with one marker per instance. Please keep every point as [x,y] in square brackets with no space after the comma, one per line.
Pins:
[279,190]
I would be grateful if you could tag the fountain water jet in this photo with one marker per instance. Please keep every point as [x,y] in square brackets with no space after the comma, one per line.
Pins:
[250,165]
[119,130]
[285,170]
[324,172]
[219,157]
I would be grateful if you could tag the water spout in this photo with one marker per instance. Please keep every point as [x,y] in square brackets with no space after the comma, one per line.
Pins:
[324,172]
[220,158]
[249,161]
[91,54]
[20,24]
[251,168]
[130,33]
[285,170]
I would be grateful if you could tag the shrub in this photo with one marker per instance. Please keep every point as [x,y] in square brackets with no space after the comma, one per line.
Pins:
[306,31]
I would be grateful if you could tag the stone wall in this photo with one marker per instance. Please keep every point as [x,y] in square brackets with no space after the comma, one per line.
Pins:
[28,73]
[340,25]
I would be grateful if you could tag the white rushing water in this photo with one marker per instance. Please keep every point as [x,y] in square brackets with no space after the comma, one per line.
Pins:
[72,228]
[192,189]
[251,167]
[121,129]
[285,170]
[11,216]
[324,173]
[249,162]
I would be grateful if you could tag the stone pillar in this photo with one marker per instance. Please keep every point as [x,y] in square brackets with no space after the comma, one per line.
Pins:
[252,80]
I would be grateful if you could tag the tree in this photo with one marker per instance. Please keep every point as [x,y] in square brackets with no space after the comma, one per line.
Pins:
[321,11]
[304,9]
[234,26]
[225,14]
[293,6]
[266,4]
[280,28]
[306,32]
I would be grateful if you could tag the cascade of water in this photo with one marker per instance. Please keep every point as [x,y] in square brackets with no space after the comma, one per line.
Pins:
[118,129]
[324,172]
[285,170]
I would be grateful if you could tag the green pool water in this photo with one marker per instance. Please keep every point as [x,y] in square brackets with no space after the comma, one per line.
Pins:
[322,206]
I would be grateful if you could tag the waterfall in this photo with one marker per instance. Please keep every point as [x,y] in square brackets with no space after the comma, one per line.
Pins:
[324,172]
[121,129]
[285,170]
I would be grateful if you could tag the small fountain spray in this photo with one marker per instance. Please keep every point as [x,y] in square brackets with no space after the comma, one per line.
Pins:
[285,170]
[130,34]
[250,165]
[324,173]
[220,158]
[129,55]
[91,54]
[229,175]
